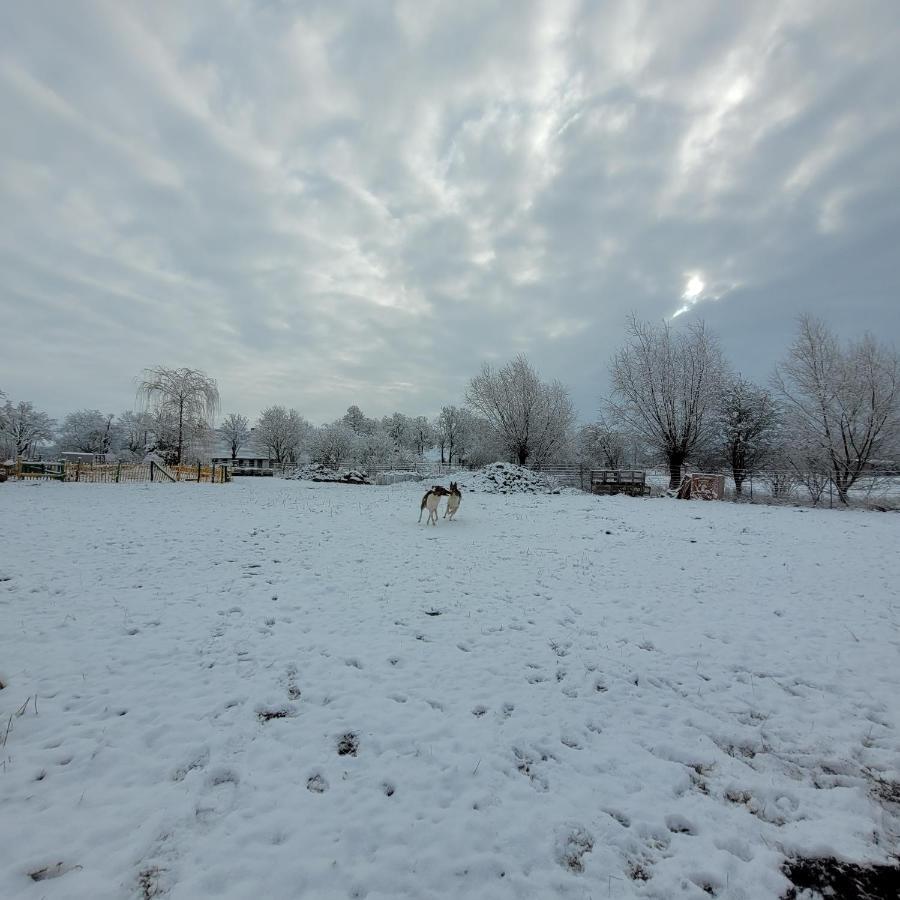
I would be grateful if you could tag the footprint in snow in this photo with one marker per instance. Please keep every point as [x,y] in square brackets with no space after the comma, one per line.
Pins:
[198,760]
[573,843]
[219,795]
[316,784]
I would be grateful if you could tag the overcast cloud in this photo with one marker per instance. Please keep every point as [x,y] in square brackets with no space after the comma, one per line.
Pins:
[332,203]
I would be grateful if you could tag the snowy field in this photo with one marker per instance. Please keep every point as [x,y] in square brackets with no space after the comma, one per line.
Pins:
[277,689]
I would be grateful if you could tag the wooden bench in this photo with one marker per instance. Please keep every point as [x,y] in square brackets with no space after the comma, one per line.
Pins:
[620,481]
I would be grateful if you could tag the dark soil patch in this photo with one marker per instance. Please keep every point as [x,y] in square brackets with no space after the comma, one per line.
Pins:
[636,872]
[849,881]
[887,791]
[348,744]
[53,871]
[148,882]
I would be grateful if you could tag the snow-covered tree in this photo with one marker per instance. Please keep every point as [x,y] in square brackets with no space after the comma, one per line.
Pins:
[235,431]
[399,428]
[282,433]
[88,431]
[356,421]
[333,444]
[453,428]
[533,418]
[24,426]
[135,432]
[378,448]
[748,427]
[842,402]
[666,385]
[187,398]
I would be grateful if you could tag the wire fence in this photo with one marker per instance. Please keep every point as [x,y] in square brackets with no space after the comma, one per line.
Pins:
[114,473]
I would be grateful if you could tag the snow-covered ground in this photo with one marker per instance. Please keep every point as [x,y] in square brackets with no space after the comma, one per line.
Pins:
[280,689]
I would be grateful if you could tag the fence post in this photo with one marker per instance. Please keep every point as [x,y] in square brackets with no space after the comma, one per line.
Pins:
[151,469]
[198,471]
[830,493]
[118,470]
[77,470]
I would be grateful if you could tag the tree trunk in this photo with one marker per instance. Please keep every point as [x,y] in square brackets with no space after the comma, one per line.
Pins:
[522,455]
[180,428]
[842,483]
[676,460]
[738,477]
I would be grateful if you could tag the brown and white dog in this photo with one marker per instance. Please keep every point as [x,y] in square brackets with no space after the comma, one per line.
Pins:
[453,499]
[430,502]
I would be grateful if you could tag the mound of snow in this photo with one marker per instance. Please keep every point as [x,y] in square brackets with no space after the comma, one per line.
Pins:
[507,478]
[318,472]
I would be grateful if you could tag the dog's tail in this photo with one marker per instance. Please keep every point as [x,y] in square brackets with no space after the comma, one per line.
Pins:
[422,507]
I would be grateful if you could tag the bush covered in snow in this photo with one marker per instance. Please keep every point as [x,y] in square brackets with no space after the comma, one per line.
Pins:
[507,478]
[318,472]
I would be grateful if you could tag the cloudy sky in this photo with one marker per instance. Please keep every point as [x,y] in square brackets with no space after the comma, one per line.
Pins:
[332,203]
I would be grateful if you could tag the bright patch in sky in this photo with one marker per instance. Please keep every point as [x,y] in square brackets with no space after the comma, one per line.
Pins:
[694,288]
[691,295]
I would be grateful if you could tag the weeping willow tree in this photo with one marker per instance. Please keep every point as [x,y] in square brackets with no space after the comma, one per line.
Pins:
[188,398]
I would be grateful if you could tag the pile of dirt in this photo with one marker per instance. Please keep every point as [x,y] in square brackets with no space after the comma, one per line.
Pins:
[318,472]
[507,478]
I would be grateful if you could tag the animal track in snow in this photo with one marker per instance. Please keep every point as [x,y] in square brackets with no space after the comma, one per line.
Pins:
[348,744]
[572,847]
[316,784]
[199,761]
[680,825]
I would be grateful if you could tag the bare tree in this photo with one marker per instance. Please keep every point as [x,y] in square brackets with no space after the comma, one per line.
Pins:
[282,432]
[87,431]
[422,435]
[843,402]
[25,426]
[235,431]
[599,443]
[748,423]
[453,427]
[134,432]
[532,417]
[665,386]
[188,396]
